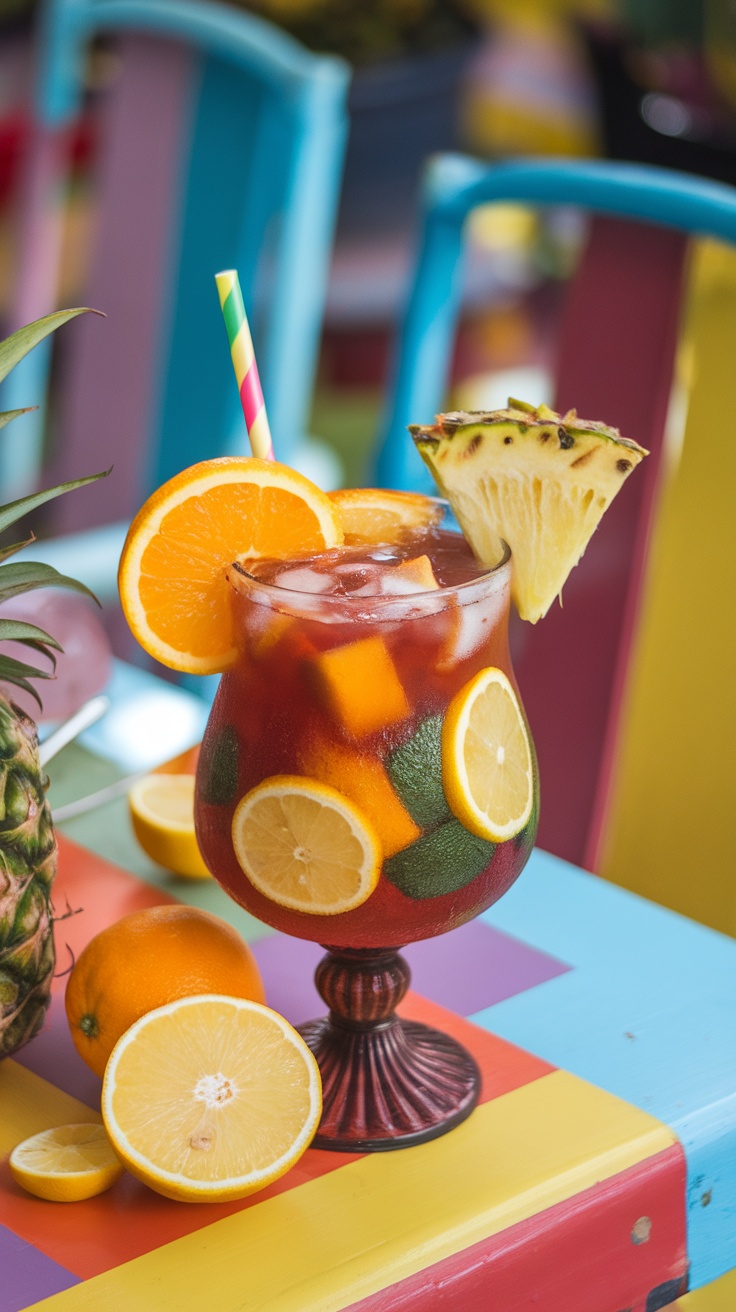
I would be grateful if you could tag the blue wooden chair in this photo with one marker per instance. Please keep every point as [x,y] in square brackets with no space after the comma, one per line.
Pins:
[616,358]
[222,146]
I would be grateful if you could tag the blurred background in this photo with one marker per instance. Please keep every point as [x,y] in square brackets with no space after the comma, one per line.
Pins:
[648,80]
[144,146]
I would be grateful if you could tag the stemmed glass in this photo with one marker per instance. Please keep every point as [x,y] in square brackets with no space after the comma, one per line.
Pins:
[387,1082]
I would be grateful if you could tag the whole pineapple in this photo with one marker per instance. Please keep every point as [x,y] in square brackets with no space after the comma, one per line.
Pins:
[27,840]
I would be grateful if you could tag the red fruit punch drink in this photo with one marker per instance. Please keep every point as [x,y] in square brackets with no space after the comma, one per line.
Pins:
[347,663]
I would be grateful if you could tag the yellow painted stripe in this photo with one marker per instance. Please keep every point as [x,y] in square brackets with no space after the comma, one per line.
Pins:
[29,1104]
[718,1297]
[360,1229]
[242,352]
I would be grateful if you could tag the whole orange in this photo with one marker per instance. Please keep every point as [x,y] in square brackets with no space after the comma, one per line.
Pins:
[145,960]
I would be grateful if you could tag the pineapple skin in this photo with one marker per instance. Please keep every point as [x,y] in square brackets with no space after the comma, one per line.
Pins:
[27,839]
[27,870]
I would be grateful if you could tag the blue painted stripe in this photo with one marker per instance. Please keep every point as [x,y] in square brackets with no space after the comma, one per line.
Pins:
[648,1013]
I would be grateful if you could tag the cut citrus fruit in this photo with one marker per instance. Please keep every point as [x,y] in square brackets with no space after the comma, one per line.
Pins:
[211,1098]
[373,515]
[531,478]
[487,767]
[67,1163]
[303,845]
[162,814]
[172,576]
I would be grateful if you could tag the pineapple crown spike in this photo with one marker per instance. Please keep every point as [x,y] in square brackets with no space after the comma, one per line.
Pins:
[26,575]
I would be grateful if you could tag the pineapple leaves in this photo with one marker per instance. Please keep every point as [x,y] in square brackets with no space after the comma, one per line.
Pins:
[13,348]
[25,575]
[20,631]
[15,510]
[17,672]
[14,547]
[7,415]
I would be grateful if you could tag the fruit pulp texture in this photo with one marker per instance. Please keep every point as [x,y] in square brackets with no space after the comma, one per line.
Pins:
[347,663]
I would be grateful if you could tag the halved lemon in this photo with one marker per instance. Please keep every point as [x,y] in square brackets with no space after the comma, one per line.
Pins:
[67,1163]
[374,515]
[162,814]
[305,846]
[211,1098]
[172,575]
[487,768]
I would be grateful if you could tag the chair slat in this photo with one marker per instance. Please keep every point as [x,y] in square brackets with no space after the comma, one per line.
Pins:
[198,396]
[616,363]
[105,416]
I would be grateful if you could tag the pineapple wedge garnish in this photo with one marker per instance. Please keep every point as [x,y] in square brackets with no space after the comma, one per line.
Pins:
[529,477]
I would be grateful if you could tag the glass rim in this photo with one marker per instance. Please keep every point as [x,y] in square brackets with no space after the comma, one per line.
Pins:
[375,602]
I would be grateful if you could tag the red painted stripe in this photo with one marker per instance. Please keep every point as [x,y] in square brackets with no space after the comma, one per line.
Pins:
[578,1256]
[129,1220]
[251,395]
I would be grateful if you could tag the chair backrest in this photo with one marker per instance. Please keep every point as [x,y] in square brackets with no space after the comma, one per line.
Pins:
[223,143]
[616,361]
[668,833]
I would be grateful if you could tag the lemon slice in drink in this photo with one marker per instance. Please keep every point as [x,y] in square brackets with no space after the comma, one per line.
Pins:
[211,1098]
[370,515]
[487,769]
[305,846]
[67,1163]
[162,814]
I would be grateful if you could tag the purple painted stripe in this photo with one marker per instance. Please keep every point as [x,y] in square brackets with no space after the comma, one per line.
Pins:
[28,1275]
[52,1055]
[466,970]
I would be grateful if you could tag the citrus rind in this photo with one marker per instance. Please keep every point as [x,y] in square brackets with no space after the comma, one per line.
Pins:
[44,1163]
[271,828]
[370,516]
[192,483]
[183,1187]
[458,731]
[169,839]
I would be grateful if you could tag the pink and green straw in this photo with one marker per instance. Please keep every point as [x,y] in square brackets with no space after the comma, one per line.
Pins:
[244,364]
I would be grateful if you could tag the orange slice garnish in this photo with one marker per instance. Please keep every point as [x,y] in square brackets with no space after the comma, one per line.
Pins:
[375,515]
[172,576]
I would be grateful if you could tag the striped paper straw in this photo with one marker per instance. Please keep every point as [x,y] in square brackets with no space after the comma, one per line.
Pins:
[244,364]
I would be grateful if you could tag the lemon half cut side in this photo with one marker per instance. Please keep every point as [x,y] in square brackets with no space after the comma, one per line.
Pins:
[211,1098]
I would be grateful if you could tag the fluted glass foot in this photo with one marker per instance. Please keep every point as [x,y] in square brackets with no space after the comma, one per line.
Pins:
[387,1082]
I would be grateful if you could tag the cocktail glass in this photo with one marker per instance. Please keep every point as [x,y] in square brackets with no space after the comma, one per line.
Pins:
[387,1082]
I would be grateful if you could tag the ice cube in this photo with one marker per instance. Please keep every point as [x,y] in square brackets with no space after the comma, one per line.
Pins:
[469,629]
[399,580]
[304,578]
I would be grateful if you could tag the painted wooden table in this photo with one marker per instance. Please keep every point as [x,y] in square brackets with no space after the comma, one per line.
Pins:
[597,1175]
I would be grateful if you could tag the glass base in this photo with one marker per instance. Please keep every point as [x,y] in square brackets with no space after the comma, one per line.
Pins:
[386,1082]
